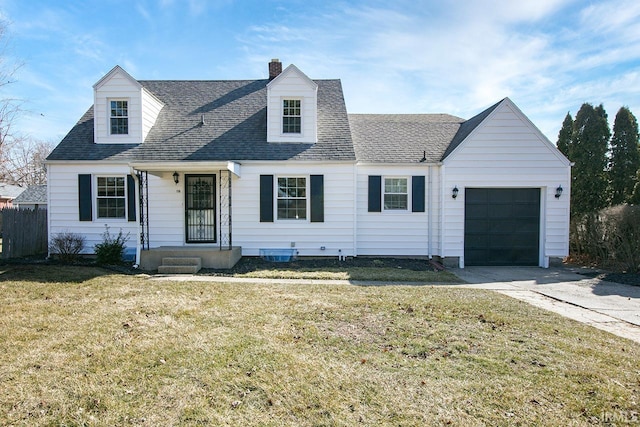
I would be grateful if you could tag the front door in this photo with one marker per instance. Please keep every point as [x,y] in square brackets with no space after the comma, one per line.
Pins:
[200,208]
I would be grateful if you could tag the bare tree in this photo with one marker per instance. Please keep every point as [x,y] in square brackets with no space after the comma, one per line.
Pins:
[10,108]
[22,161]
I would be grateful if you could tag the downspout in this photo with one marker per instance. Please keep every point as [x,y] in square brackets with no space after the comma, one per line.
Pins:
[355,209]
[133,173]
[442,233]
[48,209]
[430,212]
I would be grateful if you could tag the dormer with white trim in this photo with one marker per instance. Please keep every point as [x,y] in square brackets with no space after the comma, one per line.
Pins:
[292,106]
[123,111]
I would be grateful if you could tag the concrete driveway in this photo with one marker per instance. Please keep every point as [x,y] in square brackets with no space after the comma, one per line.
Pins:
[570,292]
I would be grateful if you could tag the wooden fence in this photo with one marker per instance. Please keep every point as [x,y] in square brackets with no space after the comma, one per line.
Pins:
[24,232]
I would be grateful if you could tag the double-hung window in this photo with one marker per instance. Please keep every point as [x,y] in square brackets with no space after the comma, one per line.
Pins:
[291,116]
[396,195]
[111,197]
[292,198]
[119,117]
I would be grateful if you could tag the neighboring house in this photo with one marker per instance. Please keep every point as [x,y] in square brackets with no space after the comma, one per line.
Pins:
[8,192]
[222,168]
[34,197]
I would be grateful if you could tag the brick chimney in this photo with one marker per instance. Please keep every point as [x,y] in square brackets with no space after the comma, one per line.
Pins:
[275,68]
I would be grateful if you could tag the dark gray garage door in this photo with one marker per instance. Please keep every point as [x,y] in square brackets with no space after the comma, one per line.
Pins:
[501,226]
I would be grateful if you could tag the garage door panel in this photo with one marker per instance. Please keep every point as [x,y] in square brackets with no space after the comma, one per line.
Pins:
[477,211]
[499,211]
[479,226]
[479,196]
[502,226]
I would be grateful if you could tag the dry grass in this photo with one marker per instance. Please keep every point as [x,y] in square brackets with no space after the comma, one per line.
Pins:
[81,346]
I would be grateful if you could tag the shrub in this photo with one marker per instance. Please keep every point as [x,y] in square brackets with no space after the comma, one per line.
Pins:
[67,246]
[622,239]
[110,250]
[610,237]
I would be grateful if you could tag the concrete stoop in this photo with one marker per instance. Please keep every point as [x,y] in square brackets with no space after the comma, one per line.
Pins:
[180,265]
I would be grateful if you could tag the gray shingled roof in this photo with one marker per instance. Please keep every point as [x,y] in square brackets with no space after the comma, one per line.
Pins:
[235,118]
[402,138]
[36,194]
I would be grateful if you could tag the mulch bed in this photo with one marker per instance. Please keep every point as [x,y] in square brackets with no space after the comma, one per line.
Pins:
[249,264]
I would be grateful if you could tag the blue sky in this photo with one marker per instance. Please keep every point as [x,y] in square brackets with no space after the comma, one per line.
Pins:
[414,56]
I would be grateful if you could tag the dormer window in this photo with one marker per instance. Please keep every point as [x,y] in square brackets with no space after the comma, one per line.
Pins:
[291,117]
[119,117]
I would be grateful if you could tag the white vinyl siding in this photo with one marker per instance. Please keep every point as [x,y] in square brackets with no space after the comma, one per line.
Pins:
[142,109]
[398,232]
[335,233]
[294,85]
[507,151]
[151,107]
[63,206]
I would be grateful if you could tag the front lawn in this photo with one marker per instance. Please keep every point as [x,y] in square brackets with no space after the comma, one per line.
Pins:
[84,346]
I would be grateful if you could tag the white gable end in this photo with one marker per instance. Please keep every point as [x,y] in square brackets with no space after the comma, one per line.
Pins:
[292,88]
[510,129]
[507,151]
[142,108]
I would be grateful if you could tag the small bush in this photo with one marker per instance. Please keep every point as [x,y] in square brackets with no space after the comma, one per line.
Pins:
[110,250]
[67,246]
[610,237]
[623,236]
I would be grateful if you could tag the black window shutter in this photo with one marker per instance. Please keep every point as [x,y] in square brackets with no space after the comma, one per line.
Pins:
[266,198]
[84,198]
[375,191]
[417,194]
[317,198]
[131,198]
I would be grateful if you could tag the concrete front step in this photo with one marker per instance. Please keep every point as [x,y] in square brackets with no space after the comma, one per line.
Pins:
[178,269]
[182,260]
[180,265]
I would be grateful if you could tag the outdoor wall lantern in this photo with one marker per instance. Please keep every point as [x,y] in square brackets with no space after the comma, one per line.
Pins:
[454,192]
[176,177]
[558,191]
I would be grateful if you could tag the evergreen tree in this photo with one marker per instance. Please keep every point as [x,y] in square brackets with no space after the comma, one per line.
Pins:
[625,157]
[635,196]
[564,136]
[588,151]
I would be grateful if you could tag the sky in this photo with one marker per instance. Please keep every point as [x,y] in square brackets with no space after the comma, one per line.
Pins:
[393,56]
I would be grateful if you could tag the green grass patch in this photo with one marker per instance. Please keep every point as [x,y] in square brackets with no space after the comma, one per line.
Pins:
[354,273]
[83,346]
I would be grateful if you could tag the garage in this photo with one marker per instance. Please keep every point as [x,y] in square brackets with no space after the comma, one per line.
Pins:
[502,226]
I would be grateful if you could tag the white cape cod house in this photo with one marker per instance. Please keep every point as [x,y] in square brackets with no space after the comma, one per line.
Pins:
[223,169]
